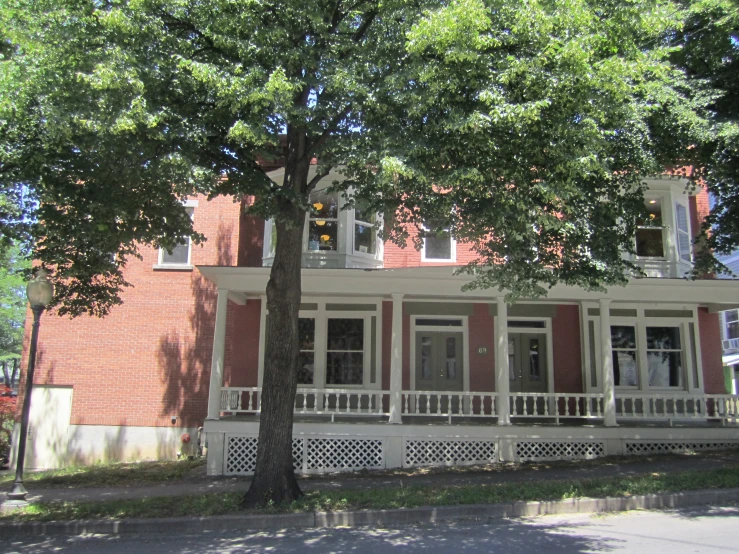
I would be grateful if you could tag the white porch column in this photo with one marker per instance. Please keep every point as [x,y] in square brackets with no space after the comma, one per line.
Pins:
[219,351]
[606,361]
[396,360]
[502,377]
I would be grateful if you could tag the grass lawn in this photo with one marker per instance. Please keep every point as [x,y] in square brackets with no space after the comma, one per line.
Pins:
[383,498]
[112,474]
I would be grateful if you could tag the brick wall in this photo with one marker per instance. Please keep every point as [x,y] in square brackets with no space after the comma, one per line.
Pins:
[394,256]
[566,350]
[149,360]
[710,337]
[482,335]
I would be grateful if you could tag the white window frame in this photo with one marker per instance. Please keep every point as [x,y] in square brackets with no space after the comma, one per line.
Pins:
[726,322]
[309,218]
[453,249]
[641,322]
[353,234]
[665,245]
[187,266]
[321,317]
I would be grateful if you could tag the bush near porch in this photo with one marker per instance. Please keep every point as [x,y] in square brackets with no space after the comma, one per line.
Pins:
[8,403]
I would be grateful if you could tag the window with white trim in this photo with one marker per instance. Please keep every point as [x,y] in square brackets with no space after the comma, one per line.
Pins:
[731,327]
[438,244]
[650,232]
[180,254]
[307,355]
[323,222]
[625,368]
[682,229]
[664,357]
[365,233]
[345,351]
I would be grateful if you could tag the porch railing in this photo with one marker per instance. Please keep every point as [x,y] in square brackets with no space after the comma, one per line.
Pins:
[556,405]
[248,400]
[724,407]
[449,403]
[552,407]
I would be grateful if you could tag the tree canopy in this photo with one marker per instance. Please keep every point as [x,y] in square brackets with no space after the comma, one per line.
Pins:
[525,127]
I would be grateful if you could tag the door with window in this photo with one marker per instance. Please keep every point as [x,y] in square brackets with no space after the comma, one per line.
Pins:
[439,362]
[527,369]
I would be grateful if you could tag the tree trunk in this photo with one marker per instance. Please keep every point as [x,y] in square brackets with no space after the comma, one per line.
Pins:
[274,479]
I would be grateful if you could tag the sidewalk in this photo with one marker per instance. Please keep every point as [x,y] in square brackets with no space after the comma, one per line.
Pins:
[491,475]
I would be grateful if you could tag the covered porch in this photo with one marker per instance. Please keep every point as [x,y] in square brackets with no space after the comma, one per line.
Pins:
[432,363]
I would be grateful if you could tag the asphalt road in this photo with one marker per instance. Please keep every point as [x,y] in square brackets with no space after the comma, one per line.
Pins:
[703,530]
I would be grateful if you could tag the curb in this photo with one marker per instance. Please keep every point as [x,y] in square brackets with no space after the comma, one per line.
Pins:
[372,517]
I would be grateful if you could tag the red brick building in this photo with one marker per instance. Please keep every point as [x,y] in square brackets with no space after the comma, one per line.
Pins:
[399,366]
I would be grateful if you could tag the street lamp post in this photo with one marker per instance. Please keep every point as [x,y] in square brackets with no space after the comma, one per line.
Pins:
[39,292]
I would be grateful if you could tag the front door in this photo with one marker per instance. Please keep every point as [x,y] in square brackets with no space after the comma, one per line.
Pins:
[439,360]
[527,369]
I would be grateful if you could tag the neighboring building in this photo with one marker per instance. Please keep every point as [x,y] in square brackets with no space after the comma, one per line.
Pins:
[388,336]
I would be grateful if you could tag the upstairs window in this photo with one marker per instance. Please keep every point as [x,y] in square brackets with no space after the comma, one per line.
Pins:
[683,232]
[649,233]
[438,244]
[365,233]
[323,222]
[731,318]
[180,254]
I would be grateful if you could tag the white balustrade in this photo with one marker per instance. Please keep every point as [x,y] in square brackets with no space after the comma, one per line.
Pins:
[552,407]
[248,400]
[450,403]
[671,406]
[556,405]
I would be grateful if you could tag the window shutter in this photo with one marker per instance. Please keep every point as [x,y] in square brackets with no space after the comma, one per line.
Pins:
[683,232]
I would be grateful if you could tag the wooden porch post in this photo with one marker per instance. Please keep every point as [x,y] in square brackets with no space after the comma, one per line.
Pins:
[502,377]
[396,360]
[219,351]
[606,359]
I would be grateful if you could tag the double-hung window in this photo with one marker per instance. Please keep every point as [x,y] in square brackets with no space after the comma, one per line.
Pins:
[180,254]
[625,368]
[731,320]
[649,232]
[345,351]
[365,234]
[664,357]
[438,243]
[307,355]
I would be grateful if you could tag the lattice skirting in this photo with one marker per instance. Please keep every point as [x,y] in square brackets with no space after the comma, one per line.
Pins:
[310,455]
[436,452]
[559,450]
[667,447]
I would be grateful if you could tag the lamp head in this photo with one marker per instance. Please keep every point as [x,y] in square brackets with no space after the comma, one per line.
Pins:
[40,290]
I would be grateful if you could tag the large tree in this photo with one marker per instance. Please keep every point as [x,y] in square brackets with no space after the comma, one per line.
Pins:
[525,127]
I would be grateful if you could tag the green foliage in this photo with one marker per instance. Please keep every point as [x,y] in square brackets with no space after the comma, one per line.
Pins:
[526,127]
[14,268]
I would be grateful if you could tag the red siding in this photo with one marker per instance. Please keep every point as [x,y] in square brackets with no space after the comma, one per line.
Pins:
[482,335]
[394,256]
[243,369]
[566,350]
[710,337]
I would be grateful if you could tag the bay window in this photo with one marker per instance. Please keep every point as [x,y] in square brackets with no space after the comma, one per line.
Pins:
[649,232]
[323,221]
[365,234]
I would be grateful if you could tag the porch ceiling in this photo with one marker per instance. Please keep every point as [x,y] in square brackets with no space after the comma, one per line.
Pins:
[442,283]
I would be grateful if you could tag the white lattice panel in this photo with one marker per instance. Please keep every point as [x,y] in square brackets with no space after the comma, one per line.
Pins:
[559,450]
[241,454]
[448,452]
[340,454]
[667,447]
